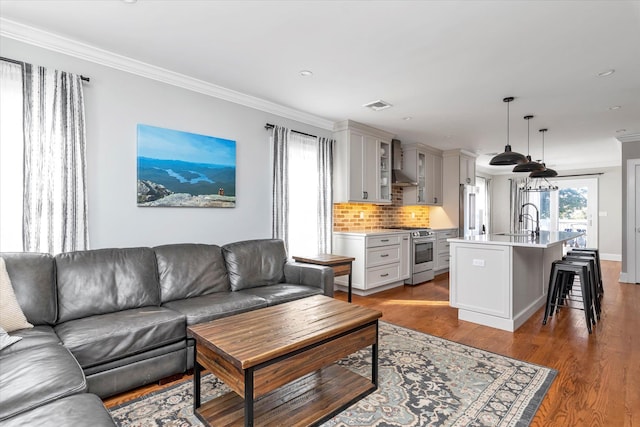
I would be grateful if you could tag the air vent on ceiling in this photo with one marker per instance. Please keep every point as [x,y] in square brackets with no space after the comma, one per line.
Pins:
[377,105]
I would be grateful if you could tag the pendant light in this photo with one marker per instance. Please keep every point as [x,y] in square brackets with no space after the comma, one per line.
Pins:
[546,172]
[530,165]
[508,157]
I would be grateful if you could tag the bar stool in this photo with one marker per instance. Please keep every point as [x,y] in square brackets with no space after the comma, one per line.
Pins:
[593,281]
[595,252]
[562,274]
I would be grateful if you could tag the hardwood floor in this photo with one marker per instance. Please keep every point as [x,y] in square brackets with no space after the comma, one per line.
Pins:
[598,382]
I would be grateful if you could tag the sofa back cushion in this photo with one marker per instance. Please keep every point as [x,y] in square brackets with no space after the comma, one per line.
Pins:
[189,270]
[254,263]
[33,279]
[104,281]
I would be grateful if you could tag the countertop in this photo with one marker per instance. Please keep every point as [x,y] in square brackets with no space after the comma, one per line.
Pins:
[371,232]
[545,240]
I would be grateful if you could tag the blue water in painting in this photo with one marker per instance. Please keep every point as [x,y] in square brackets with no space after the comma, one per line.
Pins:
[200,178]
[188,177]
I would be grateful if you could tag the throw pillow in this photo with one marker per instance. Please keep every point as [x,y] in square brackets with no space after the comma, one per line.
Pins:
[6,340]
[11,316]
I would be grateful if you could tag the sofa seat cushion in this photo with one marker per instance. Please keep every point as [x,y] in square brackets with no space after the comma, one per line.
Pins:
[283,292]
[103,338]
[213,306]
[37,376]
[32,337]
[77,410]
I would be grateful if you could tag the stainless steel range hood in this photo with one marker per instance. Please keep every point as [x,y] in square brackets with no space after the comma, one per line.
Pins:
[398,178]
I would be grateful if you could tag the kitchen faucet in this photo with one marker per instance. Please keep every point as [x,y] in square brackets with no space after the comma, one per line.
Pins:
[521,216]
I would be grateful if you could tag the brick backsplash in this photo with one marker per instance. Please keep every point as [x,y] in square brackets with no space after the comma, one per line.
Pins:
[346,216]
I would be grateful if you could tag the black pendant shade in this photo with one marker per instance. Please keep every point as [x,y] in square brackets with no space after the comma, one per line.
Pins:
[529,165]
[508,157]
[545,172]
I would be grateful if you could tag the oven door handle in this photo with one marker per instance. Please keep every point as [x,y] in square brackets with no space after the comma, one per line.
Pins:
[424,240]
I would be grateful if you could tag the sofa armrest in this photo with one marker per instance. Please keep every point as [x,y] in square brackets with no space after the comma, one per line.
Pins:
[298,273]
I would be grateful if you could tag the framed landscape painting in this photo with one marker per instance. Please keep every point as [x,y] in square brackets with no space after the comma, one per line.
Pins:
[185,169]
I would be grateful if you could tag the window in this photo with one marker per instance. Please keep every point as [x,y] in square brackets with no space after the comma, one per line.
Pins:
[303,194]
[11,154]
[483,204]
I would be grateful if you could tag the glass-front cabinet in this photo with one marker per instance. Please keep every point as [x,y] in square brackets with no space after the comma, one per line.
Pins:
[421,177]
[423,164]
[384,150]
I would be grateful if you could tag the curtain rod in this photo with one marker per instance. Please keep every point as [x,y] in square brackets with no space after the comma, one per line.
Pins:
[13,61]
[580,174]
[271,126]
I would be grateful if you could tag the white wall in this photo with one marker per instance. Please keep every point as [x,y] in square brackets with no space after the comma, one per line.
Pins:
[609,201]
[115,103]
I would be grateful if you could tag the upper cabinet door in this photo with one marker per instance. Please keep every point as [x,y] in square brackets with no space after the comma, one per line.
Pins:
[424,165]
[357,168]
[467,170]
[437,180]
[384,178]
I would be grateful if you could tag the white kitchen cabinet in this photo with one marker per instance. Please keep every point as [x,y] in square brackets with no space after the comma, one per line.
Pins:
[362,164]
[467,169]
[381,260]
[424,165]
[442,249]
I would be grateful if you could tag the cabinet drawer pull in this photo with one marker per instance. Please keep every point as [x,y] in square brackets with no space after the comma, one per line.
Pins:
[384,255]
[384,240]
[384,275]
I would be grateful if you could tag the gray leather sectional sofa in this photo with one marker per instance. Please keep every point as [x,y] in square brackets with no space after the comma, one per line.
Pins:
[109,320]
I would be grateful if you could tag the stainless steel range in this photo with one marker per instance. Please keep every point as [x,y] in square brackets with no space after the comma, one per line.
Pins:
[422,249]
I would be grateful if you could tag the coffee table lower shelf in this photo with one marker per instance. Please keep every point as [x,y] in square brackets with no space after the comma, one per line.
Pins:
[309,400]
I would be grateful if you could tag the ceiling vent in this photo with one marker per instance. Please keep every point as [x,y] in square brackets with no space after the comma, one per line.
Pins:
[378,105]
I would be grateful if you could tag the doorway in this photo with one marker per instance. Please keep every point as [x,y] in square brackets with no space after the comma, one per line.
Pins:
[574,208]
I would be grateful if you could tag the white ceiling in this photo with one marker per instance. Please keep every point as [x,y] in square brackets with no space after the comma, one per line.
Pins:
[446,64]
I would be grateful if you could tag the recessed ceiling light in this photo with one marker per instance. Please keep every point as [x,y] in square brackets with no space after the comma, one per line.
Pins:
[606,73]
[129,1]
[615,107]
[407,118]
[621,130]
[306,73]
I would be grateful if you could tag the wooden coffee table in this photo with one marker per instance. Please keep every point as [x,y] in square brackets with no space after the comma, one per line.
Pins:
[279,362]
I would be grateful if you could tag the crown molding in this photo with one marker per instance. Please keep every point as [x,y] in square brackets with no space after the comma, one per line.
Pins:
[634,137]
[57,43]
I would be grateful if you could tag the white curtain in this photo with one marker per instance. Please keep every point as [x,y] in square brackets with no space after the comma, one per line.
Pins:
[280,196]
[325,194]
[302,212]
[55,200]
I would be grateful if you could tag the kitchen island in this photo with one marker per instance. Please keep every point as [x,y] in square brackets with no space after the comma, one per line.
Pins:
[500,280]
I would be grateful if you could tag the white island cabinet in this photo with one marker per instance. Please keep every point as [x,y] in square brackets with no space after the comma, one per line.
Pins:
[501,280]
[381,259]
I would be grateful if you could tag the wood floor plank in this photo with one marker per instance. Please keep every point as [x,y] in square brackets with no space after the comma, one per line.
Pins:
[598,382]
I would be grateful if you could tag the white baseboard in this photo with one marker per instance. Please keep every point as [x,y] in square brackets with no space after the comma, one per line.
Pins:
[610,257]
[626,278]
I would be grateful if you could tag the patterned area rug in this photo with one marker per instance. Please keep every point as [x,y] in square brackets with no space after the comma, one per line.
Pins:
[424,381]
